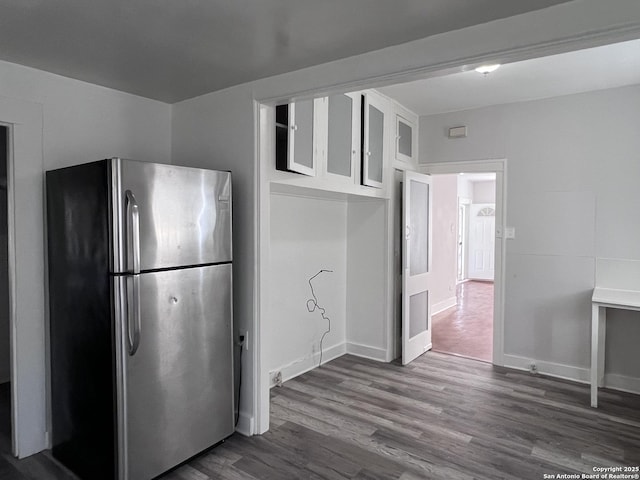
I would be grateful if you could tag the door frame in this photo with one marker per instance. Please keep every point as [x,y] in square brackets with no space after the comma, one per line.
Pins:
[11,276]
[499,167]
[28,317]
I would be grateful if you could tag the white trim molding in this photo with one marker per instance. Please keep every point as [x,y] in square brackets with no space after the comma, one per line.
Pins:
[27,276]
[552,369]
[245,424]
[445,304]
[366,351]
[612,381]
[306,364]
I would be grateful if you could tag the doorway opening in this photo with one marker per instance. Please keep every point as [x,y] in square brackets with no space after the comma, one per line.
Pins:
[464,262]
[5,362]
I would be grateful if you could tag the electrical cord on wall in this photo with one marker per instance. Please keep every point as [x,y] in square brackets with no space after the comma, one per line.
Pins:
[312,306]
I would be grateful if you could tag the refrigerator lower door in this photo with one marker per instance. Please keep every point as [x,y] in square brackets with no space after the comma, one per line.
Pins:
[178,385]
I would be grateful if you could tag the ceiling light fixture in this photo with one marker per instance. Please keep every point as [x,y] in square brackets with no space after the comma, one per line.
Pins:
[487,69]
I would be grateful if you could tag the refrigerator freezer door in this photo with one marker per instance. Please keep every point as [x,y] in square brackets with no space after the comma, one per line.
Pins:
[184,214]
[179,382]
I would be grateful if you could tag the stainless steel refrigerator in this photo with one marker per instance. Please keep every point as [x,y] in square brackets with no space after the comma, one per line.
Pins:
[140,315]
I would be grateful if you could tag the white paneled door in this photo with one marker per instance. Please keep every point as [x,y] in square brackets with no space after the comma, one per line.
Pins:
[482,233]
[416,265]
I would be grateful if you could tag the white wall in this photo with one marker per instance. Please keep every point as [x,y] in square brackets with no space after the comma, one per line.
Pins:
[85,122]
[573,166]
[307,235]
[67,122]
[444,235]
[366,278]
[465,188]
[484,191]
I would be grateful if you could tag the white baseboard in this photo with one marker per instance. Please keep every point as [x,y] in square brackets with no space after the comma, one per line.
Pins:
[365,351]
[552,369]
[622,383]
[576,374]
[303,365]
[245,424]
[443,305]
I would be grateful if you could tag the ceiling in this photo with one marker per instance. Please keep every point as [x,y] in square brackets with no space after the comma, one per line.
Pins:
[172,50]
[598,68]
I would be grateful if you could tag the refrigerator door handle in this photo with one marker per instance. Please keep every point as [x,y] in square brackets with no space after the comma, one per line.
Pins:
[133,266]
[133,310]
[133,233]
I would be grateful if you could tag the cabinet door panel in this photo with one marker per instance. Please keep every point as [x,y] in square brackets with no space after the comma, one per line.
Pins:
[405,139]
[339,160]
[373,144]
[405,132]
[343,137]
[301,158]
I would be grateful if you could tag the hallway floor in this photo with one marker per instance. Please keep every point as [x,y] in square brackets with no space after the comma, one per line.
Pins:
[467,329]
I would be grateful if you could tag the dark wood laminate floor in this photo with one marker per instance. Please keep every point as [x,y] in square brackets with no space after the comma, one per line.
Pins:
[441,417]
[467,328]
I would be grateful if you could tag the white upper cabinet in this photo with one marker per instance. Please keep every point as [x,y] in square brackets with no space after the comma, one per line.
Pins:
[344,142]
[343,137]
[405,145]
[373,143]
[295,144]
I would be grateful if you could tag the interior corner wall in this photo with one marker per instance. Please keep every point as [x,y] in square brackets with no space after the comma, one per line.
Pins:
[444,238]
[366,278]
[573,164]
[307,235]
[218,131]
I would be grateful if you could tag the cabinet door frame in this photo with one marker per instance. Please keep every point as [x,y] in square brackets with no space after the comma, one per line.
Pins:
[355,141]
[400,118]
[292,165]
[367,101]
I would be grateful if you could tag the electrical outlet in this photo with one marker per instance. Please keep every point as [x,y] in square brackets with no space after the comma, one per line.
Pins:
[275,378]
[246,340]
[533,369]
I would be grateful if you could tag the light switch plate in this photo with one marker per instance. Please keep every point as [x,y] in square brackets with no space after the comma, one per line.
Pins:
[510,232]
